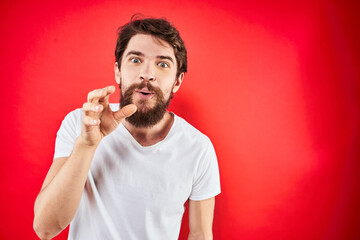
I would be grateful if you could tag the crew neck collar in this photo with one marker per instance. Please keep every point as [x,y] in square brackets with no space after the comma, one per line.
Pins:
[154,146]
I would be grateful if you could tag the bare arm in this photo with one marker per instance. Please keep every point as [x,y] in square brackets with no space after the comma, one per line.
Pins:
[201,214]
[60,195]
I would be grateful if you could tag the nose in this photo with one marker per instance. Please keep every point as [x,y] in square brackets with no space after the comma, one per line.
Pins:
[147,72]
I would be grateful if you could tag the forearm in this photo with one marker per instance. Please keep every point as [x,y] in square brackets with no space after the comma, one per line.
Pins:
[200,236]
[201,215]
[57,203]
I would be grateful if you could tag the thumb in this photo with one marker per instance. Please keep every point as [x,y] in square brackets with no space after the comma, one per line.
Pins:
[125,112]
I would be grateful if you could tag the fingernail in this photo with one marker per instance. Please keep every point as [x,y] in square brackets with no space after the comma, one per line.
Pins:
[101,91]
[94,122]
[97,108]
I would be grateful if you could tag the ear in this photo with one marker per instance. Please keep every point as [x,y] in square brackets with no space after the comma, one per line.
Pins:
[178,82]
[117,73]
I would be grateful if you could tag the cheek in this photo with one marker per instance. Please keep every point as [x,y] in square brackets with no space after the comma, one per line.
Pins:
[125,80]
[167,91]
[124,84]
[129,71]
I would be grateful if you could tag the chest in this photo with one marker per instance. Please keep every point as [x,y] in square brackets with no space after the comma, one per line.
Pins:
[154,179]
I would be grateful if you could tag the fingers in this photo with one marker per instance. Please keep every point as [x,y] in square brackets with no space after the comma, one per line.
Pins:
[91,112]
[92,108]
[101,95]
[95,95]
[125,112]
[105,100]
[90,122]
[97,101]
[98,120]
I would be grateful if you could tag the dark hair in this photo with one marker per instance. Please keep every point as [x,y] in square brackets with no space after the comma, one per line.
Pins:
[157,27]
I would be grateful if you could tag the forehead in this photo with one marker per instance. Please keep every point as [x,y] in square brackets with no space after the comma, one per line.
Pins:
[149,45]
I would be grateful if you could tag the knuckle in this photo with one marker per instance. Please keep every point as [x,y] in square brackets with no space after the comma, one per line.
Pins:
[87,107]
[92,93]
[86,119]
[89,96]
[92,107]
[97,107]
[93,120]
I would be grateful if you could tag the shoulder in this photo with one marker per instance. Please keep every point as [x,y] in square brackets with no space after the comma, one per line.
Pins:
[72,121]
[69,130]
[74,116]
[190,132]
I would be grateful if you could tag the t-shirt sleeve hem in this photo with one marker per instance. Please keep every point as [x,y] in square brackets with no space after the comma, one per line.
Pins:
[60,156]
[205,196]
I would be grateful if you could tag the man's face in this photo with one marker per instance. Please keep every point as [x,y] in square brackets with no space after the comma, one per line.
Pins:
[147,78]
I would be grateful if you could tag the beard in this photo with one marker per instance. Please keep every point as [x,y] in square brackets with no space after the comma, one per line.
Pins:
[145,116]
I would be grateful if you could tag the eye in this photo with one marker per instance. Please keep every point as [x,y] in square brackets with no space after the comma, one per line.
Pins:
[163,65]
[135,60]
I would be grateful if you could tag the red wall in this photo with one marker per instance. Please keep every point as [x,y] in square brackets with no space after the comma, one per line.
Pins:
[274,85]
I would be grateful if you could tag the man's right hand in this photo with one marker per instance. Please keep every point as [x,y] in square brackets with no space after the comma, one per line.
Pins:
[60,195]
[98,118]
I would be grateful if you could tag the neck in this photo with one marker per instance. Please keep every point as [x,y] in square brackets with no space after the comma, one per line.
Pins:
[147,136]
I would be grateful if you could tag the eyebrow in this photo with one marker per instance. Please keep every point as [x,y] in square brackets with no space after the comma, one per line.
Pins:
[166,57]
[138,53]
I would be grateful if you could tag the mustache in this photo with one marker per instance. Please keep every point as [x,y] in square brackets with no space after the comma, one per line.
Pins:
[147,85]
[138,86]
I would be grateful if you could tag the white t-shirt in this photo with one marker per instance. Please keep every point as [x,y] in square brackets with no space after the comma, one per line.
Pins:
[136,192]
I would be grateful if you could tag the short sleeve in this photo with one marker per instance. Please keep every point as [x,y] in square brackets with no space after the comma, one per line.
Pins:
[68,132]
[207,179]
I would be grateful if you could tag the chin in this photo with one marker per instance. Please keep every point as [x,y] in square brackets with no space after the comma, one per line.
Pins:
[144,105]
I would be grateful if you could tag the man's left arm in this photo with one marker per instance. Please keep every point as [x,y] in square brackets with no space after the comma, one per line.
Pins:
[201,214]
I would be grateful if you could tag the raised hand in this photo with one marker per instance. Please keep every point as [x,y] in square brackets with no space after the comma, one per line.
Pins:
[98,118]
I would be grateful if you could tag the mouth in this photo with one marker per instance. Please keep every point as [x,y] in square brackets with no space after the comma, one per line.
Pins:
[144,94]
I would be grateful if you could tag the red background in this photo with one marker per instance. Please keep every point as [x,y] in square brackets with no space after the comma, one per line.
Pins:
[274,85]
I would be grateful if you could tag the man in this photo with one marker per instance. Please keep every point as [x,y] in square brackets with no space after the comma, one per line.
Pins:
[126,173]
